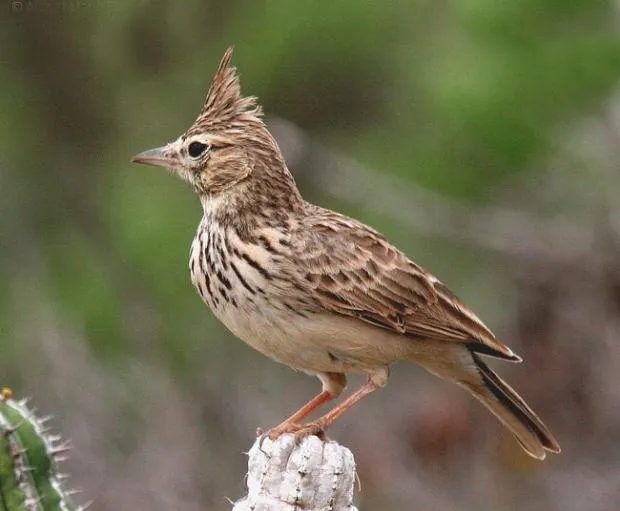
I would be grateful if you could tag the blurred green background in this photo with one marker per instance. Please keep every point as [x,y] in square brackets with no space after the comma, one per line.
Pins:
[481,137]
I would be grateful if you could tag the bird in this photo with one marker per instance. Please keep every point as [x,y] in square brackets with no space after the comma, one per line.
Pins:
[314,289]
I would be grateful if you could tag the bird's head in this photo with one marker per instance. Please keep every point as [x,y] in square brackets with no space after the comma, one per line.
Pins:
[228,151]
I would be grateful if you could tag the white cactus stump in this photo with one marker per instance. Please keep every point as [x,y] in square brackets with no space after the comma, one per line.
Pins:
[311,476]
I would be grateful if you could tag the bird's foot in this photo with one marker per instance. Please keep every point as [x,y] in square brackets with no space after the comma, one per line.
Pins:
[282,429]
[314,428]
[300,431]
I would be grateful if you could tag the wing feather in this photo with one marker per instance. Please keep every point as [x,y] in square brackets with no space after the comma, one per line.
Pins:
[352,270]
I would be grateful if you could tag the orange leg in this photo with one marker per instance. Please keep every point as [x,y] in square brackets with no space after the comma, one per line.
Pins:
[292,423]
[330,417]
[310,406]
[319,426]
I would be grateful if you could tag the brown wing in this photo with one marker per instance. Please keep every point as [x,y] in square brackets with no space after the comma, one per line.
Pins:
[353,270]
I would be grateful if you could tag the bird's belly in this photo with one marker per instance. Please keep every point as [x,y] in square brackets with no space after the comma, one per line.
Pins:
[275,335]
[318,342]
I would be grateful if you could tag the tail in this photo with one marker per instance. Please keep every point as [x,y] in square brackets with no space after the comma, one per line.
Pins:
[511,410]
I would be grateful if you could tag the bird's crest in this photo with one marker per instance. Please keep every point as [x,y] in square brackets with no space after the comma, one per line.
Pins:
[224,103]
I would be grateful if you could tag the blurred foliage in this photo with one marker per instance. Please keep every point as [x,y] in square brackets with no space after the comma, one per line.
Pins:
[459,97]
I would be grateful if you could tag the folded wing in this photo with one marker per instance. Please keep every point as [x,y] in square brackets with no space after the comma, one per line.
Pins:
[352,270]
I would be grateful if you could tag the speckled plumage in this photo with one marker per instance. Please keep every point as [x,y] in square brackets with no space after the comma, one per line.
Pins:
[314,289]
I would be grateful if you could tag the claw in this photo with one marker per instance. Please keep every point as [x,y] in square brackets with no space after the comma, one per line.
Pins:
[300,431]
[286,427]
[311,429]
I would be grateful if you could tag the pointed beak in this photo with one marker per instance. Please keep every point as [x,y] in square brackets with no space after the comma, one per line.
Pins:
[160,156]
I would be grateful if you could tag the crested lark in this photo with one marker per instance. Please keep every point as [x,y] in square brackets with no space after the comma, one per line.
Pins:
[317,290]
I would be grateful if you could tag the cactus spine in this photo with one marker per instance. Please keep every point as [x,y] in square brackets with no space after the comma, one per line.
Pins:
[29,457]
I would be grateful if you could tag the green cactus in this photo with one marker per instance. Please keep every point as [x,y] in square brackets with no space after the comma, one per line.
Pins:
[29,457]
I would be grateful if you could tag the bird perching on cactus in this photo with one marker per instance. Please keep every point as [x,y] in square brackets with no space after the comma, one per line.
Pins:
[314,289]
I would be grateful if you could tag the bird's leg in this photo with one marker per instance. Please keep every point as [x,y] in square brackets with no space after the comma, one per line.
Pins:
[319,426]
[375,381]
[291,424]
[333,384]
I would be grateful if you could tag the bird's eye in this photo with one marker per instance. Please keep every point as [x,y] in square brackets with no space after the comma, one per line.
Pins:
[196,149]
